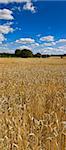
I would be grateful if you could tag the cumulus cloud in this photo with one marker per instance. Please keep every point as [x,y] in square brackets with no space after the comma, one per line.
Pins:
[2,38]
[24,47]
[29,6]
[6,48]
[51,50]
[47,38]
[11,1]
[5,29]
[61,41]
[6,14]
[25,40]
[36,44]
[49,44]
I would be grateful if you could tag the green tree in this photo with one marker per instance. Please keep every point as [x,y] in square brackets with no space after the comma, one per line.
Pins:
[25,53]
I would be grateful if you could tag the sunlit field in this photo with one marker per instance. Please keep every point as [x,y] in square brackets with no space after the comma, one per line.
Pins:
[32,104]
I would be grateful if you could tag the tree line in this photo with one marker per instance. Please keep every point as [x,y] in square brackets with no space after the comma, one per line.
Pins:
[25,53]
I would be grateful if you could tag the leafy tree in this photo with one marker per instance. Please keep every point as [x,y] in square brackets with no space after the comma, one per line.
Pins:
[25,53]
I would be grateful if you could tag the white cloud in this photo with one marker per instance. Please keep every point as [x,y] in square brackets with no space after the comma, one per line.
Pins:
[6,14]
[38,35]
[25,40]
[33,45]
[53,50]
[61,41]
[36,44]
[6,48]
[29,6]
[11,1]
[49,44]
[2,38]
[24,47]
[47,38]
[54,43]
[5,29]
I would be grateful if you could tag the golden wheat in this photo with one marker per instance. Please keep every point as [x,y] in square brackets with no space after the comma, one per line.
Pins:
[32,104]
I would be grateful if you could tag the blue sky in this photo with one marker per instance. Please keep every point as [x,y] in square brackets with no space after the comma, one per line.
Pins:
[34,24]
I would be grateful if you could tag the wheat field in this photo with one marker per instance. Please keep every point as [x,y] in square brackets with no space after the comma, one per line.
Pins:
[32,104]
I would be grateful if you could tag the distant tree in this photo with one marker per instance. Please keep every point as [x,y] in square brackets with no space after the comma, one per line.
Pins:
[7,55]
[45,55]
[38,55]
[64,54]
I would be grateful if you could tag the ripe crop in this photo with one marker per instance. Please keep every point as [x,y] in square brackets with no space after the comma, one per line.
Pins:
[32,104]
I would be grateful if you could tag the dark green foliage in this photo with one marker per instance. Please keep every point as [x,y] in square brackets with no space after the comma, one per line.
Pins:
[45,56]
[7,55]
[25,53]
[18,53]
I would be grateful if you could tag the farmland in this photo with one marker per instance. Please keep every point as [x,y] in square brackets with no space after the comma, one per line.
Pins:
[32,104]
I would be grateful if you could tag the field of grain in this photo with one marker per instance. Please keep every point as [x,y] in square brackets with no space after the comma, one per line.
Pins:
[32,104]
